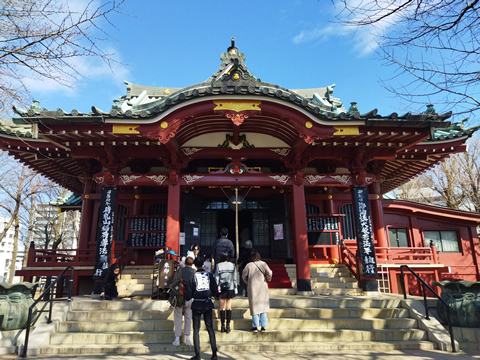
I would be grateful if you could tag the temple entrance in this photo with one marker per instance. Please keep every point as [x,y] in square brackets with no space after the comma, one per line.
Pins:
[260,219]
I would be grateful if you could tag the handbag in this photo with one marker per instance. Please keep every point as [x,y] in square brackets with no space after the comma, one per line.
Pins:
[224,286]
[264,275]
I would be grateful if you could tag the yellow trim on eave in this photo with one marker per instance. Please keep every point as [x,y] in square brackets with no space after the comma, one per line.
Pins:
[237,105]
[346,130]
[125,129]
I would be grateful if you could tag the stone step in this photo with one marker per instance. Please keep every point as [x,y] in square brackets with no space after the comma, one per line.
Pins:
[286,324]
[159,337]
[294,302]
[256,344]
[138,280]
[240,313]
[333,279]
[122,287]
[120,305]
[333,291]
[329,285]
[136,276]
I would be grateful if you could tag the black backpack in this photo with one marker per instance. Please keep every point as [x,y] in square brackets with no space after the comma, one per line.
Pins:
[177,298]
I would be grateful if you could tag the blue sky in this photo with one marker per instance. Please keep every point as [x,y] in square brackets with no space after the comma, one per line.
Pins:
[291,43]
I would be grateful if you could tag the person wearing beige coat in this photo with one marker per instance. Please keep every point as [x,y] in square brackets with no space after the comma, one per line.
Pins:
[256,275]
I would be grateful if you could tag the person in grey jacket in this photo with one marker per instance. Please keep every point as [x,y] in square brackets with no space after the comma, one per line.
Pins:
[226,273]
[223,245]
[183,310]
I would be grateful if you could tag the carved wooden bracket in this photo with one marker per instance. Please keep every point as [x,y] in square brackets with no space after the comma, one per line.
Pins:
[299,177]
[310,131]
[173,177]
[163,131]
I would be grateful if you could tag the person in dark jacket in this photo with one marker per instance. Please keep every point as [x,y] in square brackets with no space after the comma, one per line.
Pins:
[202,287]
[183,310]
[109,285]
[243,260]
[223,245]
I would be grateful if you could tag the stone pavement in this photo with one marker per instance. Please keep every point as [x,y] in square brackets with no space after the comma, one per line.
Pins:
[354,355]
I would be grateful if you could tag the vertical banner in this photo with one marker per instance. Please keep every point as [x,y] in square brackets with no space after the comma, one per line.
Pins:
[364,232]
[105,224]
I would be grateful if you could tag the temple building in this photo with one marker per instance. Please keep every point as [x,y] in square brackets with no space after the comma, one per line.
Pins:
[297,171]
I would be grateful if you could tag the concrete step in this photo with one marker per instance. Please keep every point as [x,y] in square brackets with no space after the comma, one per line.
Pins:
[286,324]
[117,305]
[240,313]
[256,344]
[136,276]
[165,337]
[136,280]
[281,301]
[336,291]
[331,285]
[122,287]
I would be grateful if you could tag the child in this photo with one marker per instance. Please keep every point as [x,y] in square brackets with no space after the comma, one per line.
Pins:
[207,264]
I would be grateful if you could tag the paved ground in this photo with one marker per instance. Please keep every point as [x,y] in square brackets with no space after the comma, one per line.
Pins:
[354,355]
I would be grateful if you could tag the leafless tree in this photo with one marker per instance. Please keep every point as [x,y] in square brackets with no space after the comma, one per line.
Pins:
[41,39]
[469,174]
[453,183]
[435,43]
[21,191]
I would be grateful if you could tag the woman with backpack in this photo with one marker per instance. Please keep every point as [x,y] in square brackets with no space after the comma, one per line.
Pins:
[226,277]
[181,308]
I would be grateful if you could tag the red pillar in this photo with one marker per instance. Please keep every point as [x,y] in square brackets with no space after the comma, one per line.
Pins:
[173,218]
[301,240]
[377,217]
[85,222]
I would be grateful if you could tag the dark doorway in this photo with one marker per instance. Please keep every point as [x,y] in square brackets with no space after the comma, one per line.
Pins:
[226,218]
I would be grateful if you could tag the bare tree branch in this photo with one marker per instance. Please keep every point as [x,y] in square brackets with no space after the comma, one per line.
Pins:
[435,45]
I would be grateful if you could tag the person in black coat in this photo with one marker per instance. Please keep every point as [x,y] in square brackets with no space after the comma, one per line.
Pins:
[109,285]
[223,245]
[243,260]
[202,287]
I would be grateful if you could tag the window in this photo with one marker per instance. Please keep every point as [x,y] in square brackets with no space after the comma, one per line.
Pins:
[349,229]
[398,237]
[444,240]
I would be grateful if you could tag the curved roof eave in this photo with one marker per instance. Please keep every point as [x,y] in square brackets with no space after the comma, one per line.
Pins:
[234,97]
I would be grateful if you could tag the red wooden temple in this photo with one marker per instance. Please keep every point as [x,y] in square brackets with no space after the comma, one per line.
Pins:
[307,174]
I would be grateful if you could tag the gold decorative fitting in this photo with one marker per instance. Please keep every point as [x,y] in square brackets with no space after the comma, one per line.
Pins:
[125,129]
[330,197]
[236,76]
[308,125]
[377,197]
[137,196]
[233,52]
[164,124]
[346,130]
[237,105]
[87,196]
[166,91]
[282,191]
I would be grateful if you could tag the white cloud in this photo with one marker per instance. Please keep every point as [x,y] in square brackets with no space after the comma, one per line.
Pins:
[93,69]
[365,39]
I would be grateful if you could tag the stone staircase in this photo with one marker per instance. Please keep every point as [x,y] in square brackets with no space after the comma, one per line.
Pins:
[295,322]
[136,281]
[328,279]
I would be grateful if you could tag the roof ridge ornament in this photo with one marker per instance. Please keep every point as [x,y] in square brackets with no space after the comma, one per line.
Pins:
[233,69]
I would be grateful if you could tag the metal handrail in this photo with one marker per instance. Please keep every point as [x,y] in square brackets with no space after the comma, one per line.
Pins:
[424,284]
[353,259]
[45,292]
